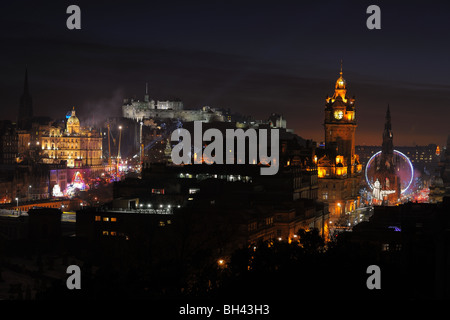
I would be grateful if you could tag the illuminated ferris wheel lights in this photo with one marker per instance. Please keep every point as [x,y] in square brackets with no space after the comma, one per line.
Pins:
[401,155]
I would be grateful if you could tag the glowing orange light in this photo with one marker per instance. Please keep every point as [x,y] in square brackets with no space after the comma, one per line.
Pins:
[321,173]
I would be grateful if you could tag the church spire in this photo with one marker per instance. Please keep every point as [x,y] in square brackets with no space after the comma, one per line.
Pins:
[25,85]
[387,124]
[388,144]
[26,106]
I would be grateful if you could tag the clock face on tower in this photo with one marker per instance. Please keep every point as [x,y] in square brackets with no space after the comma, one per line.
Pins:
[338,114]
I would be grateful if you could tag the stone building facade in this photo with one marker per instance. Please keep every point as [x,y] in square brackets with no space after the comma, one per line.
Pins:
[151,109]
[79,146]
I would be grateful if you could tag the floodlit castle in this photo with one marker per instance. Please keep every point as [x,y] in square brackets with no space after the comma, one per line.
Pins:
[150,109]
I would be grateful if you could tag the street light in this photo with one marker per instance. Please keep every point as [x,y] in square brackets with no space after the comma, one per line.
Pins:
[118,153]
[17,199]
[339,209]
[120,138]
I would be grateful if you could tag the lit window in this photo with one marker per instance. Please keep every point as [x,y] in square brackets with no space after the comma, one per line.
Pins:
[105,219]
[113,219]
[97,218]
[113,233]
[105,233]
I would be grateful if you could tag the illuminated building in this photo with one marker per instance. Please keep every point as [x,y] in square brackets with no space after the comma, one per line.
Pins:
[422,157]
[80,147]
[150,109]
[339,169]
[276,121]
[120,224]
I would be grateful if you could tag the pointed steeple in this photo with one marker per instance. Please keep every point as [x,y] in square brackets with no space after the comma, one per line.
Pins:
[26,106]
[388,144]
[25,85]
[387,124]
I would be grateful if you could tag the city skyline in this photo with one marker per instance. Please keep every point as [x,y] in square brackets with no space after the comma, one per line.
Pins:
[181,151]
[230,55]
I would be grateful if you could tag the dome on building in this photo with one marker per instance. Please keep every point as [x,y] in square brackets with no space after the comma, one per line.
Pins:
[73,118]
[73,123]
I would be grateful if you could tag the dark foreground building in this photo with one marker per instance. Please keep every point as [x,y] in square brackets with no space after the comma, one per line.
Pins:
[412,243]
[37,225]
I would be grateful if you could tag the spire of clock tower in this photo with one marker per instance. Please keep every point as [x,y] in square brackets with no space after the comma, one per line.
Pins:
[340,87]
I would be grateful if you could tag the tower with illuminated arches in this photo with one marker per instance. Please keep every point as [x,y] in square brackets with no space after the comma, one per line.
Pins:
[338,166]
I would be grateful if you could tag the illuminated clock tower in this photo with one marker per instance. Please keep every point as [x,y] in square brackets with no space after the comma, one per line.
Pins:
[338,167]
[340,123]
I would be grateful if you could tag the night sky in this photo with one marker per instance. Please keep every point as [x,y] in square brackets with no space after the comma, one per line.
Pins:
[254,57]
